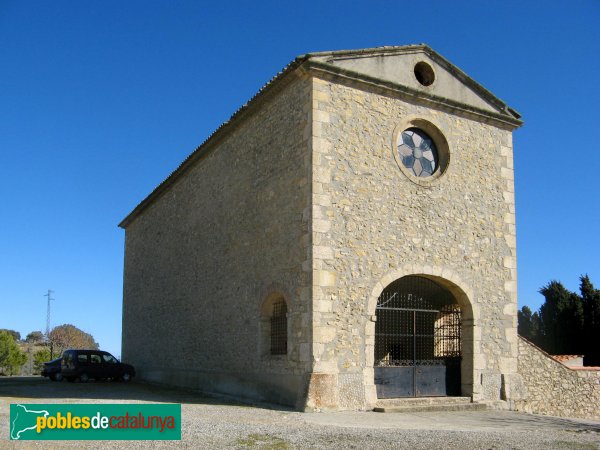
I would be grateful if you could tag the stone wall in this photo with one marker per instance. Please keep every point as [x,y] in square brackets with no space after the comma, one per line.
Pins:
[203,257]
[372,224]
[555,389]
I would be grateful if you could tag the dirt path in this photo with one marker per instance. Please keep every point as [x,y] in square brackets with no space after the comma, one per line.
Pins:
[215,423]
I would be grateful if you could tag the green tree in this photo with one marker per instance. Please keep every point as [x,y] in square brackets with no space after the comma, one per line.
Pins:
[15,334]
[529,325]
[11,356]
[35,337]
[591,321]
[561,318]
[68,336]
[39,358]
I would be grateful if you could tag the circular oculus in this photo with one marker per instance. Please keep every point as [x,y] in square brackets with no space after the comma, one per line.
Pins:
[418,152]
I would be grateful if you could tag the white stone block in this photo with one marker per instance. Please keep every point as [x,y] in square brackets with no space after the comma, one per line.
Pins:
[323,252]
[321,226]
[322,174]
[324,335]
[324,278]
[321,116]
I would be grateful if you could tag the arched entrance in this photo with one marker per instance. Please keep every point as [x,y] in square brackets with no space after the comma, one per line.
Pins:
[417,340]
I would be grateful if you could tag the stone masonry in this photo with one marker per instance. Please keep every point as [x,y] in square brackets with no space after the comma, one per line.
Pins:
[373,225]
[302,196]
[554,389]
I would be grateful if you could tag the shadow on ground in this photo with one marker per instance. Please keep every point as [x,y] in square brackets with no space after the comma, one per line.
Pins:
[538,421]
[40,388]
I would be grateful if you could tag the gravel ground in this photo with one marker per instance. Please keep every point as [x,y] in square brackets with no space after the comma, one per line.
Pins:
[217,423]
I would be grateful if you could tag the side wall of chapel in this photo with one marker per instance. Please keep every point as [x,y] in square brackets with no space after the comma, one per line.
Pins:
[230,234]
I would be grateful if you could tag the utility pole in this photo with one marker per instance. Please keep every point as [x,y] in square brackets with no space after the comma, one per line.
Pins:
[49,295]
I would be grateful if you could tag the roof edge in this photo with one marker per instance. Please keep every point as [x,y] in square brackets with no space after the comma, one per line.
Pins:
[453,69]
[371,50]
[462,76]
[219,133]
[504,119]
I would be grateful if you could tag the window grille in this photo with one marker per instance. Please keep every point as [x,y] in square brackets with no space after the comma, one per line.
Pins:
[418,323]
[279,328]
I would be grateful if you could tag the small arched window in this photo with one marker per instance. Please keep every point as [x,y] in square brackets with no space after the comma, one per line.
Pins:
[278,328]
[274,326]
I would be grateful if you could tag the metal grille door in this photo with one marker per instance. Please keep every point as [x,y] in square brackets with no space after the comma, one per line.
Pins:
[417,340]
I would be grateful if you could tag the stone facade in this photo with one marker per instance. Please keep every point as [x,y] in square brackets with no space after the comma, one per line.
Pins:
[203,258]
[554,389]
[376,225]
[301,196]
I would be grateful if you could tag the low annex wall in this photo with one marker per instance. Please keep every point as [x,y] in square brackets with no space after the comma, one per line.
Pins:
[555,389]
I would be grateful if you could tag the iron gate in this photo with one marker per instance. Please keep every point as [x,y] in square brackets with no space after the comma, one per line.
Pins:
[417,340]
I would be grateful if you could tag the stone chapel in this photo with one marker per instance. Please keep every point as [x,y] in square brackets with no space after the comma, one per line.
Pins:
[347,236]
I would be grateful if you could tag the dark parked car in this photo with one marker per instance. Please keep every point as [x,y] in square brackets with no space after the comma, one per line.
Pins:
[52,369]
[85,364]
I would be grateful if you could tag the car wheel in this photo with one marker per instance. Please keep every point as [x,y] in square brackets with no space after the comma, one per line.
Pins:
[57,377]
[84,378]
[126,377]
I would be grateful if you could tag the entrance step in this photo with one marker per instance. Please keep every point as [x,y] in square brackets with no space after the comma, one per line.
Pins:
[428,404]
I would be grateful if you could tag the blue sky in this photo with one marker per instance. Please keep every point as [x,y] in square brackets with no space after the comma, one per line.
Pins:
[101,100]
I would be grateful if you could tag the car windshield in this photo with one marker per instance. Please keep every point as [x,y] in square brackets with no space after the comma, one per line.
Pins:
[110,359]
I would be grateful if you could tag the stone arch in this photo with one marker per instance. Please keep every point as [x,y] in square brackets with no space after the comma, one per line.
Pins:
[464,296]
[266,307]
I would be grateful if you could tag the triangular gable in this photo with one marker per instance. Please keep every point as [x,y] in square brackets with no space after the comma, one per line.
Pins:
[399,64]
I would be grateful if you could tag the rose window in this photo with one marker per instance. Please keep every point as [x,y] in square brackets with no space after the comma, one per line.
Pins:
[418,152]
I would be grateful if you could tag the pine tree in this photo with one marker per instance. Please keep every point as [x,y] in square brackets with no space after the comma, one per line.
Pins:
[591,321]
[561,320]
[11,356]
[529,325]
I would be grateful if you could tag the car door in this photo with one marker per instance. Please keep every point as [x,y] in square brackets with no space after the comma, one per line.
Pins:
[66,365]
[81,364]
[95,368]
[111,365]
